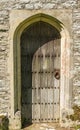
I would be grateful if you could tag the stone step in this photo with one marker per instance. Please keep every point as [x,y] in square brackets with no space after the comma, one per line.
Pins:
[46,126]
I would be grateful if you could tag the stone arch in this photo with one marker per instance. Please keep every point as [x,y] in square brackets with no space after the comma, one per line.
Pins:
[65,62]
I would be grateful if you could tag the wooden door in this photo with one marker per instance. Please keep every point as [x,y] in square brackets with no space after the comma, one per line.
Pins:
[46,83]
[40,69]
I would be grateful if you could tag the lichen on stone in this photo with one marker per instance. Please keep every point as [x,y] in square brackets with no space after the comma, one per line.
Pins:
[76,115]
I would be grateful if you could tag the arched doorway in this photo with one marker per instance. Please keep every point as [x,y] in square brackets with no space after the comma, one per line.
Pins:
[40,73]
[18,32]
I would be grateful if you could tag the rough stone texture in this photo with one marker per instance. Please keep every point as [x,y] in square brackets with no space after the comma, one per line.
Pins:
[4,49]
[76,50]
[5,7]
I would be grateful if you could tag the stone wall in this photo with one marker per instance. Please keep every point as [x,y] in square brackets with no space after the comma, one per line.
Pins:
[5,7]
[4,52]
[76,54]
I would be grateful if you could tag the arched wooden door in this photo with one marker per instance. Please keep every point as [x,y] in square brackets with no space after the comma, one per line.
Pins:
[40,73]
[46,83]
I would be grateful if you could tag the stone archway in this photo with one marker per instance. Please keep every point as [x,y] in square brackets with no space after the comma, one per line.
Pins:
[16,60]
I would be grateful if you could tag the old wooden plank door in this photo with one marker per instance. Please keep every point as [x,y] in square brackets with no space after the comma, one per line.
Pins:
[46,83]
[40,73]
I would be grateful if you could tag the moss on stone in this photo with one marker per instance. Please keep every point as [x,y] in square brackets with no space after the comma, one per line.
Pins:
[4,122]
[77,127]
[76,115]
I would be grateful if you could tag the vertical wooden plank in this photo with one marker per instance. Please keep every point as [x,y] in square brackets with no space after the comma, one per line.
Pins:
[56,104]
[33,86]
[50,113]
[44,85]
[50,105]
[36,113]
[56,81]
[43,104]
[50,81]
[36,90]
